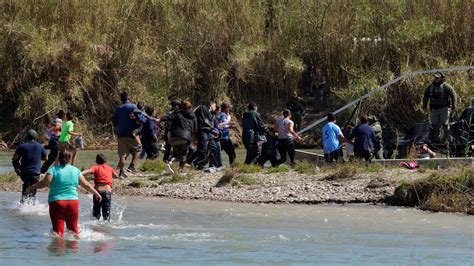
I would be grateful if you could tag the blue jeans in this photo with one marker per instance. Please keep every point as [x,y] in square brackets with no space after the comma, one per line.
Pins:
[215,152]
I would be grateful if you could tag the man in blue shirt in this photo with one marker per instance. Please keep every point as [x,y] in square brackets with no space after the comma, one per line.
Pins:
[331,135]
[364,139]
[125,125]
[27,163]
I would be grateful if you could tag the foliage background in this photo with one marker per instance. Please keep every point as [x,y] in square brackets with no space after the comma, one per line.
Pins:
[79,55]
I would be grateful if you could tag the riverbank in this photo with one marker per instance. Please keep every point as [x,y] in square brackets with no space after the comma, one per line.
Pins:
[305,184]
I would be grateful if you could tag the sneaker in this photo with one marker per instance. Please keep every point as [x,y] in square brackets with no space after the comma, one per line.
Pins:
[169,169]
[132,170]
[219,169]
[161,147]
[210,170]
[122,174]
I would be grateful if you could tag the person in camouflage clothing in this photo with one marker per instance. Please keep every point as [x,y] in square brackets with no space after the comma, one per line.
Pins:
[378,145]
[442,100]
[297,108]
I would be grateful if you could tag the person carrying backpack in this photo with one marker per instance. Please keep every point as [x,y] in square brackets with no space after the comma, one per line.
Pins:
[442,100]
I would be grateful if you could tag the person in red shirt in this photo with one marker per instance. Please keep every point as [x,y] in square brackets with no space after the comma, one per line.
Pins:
[103,175]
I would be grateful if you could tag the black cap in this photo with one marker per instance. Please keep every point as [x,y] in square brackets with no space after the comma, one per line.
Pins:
[438,75]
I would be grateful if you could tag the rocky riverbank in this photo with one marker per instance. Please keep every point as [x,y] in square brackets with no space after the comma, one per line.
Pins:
[304,185]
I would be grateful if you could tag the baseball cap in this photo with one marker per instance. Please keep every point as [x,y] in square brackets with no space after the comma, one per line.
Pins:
[57,121]
[438,75]
[31,134]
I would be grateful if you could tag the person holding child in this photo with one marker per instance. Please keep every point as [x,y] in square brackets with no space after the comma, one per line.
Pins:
[54,132]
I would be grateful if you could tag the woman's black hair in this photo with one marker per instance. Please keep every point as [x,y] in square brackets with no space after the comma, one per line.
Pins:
[65,157]
[252,106]
[124,96]
[149,110]
[69,115]
[61,114]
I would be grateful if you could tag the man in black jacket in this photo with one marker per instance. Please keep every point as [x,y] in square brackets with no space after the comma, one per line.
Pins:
[175,106]
[253,129]
[204,128]
[182,126]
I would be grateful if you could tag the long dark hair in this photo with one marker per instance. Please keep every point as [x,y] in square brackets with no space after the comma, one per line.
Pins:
[65,157]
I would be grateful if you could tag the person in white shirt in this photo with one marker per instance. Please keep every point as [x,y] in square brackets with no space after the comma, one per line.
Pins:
[286,137]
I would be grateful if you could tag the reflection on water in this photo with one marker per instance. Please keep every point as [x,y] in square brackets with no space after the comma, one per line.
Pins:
[102,246]
[199,232]
[61,246]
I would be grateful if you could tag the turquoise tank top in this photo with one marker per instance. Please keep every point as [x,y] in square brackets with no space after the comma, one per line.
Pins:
[64,183]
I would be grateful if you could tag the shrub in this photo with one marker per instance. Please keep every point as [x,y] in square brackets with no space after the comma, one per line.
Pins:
[154,178]
[306,167]
[240,167]
[374,168]
[176,178]
[137,184]
[279,169]
[8,177]
[246,180]
[345,171]
[152,166]
[228,176]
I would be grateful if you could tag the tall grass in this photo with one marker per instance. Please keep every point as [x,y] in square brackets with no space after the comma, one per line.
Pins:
[449,191]
[79,55]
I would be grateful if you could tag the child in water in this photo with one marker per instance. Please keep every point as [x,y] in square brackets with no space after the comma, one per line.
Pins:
[103,175]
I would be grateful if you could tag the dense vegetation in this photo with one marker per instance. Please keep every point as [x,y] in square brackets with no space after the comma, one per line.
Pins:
[79,55]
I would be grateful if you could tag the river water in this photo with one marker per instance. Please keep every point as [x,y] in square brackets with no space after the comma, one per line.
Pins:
[162,231]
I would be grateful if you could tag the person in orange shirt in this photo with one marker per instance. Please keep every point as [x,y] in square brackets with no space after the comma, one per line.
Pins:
[103,175]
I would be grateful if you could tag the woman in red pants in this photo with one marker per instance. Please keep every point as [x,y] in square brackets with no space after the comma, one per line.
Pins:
[63,200]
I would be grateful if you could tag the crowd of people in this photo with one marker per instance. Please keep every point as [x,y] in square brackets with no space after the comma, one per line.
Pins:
[194,137]
[208,126]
